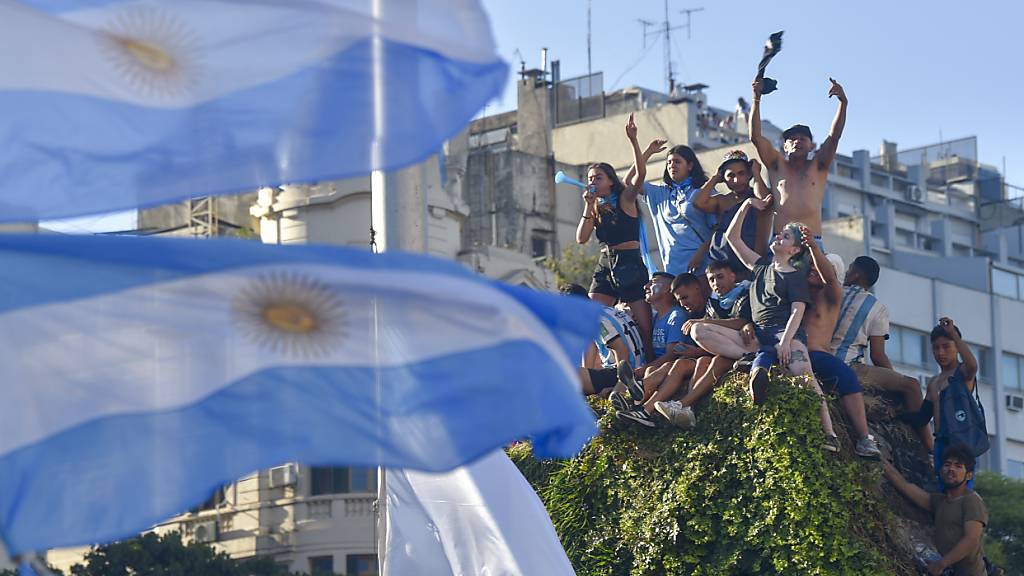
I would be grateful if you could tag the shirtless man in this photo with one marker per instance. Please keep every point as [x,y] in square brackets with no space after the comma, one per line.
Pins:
[819,323]
[798,177]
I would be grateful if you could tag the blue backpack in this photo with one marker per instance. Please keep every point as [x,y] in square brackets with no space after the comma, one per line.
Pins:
[961,417]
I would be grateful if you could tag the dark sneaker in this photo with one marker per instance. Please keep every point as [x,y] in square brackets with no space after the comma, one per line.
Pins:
[745,363]
[619,401]
[759,386]
[638,415]
[832,444]
[629,381]
[866,447]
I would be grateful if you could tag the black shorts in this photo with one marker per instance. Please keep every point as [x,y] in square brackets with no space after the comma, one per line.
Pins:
[620,274]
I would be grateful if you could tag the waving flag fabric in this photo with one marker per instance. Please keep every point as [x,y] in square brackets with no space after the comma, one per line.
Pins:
[138,374]
[482,518]
[117,104]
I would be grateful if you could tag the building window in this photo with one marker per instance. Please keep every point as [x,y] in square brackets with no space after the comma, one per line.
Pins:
[361,565]
[1011,366]
[1015,469]
[984,357]
[342,480]
[908,346]
[1004,283]
[539,246]
[321,565]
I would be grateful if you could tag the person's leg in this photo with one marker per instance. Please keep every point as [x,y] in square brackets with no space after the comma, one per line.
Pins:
[707,377]
[641,312]
[596,381]
[834,371]
[909,388]
[758,382]
[721,341]
[800,365]
[682,369]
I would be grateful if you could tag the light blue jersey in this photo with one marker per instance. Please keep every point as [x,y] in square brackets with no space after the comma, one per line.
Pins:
[680,227]
[616,323]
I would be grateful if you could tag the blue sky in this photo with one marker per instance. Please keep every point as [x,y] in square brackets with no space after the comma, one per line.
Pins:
[910,69]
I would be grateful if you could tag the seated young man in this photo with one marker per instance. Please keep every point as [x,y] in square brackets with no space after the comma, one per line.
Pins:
[819,323]
[958,513]
[689,293]
[618,344]
[667,331]
[948,348]
[725,332]
[861,332]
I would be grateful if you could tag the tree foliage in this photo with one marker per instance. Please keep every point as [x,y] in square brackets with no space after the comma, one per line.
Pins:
[1004,535]
[575,265]
[748,491]
[167,555]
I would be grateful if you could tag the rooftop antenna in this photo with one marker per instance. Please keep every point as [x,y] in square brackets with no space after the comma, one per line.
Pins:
[667,29]
[589,69]
[522,62]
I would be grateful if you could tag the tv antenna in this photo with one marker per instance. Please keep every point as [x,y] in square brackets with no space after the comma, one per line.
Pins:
[665,28]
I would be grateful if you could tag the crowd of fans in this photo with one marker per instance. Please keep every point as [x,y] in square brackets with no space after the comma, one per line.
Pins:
[747,285]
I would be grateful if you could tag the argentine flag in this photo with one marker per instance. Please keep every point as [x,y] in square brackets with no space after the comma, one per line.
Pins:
[138,374]
[117,104]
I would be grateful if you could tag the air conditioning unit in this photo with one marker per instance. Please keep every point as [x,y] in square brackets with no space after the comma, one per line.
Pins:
[914,193]
[205,531]
[1014,402]
[282,476]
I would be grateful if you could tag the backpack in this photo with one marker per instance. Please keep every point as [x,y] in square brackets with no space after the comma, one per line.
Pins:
[961,417]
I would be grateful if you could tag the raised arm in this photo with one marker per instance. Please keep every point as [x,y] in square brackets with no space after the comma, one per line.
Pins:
[639,170]
[761,189]
[769,155]
[656,145]
[970,368]
[734,236]
[586,226]
[827,151]
[704,200]
[827,272]
[912,491]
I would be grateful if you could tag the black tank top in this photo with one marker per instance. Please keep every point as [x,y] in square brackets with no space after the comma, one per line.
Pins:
[617,227]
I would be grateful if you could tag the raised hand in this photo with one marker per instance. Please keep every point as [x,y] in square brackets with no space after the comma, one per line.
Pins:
[631,128]
[761,204]
[836,90]
[656,145]
[758,86]
[950,328]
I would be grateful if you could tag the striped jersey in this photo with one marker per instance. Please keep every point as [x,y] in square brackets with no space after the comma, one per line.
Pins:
[861,315]
[617,323]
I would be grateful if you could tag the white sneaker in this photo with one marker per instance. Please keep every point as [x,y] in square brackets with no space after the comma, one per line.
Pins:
[679,415]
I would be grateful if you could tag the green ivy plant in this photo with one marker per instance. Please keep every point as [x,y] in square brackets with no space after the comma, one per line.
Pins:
[750,490]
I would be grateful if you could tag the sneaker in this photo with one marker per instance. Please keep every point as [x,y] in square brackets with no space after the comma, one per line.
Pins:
[866,447]
[832,443]
[759,386]
[629,381]
[638,415]
[679,415]
[619,401]
[745,363]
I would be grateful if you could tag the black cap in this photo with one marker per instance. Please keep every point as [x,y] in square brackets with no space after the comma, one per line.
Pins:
[796,130]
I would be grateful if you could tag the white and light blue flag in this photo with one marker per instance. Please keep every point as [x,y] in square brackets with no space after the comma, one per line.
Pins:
[117,104]
[138,374]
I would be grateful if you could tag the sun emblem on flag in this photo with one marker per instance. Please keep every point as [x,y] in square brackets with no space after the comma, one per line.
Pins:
[291,314]
[154,51]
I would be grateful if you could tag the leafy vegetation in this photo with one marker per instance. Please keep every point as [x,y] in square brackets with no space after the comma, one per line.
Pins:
[748,491]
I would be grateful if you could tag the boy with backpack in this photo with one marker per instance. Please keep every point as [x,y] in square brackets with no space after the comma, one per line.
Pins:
[958,416]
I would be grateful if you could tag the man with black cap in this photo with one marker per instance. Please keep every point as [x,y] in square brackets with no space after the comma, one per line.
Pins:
[798,174]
